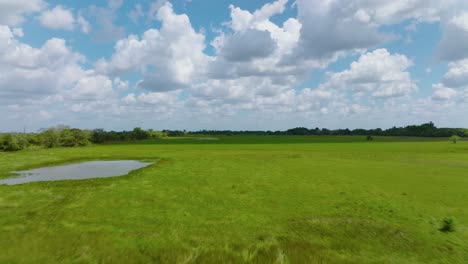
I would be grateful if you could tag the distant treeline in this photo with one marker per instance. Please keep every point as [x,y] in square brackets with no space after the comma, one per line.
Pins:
[424,130]
[63,136]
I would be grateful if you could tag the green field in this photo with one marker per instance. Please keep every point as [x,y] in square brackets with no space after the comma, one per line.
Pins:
[244,199]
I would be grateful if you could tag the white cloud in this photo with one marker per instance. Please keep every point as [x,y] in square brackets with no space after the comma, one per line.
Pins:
[12,12]
[167,58]
[154,9]
[442,93]
[257,46]
[461,21]
[457,75]
[18,32]
[61,18]
[379,73]
[29,72]
[454,43]
[84,24]
[254,73]
[247,45]
[104,17]
[136,13]
[92,87]
[49,75]
[58,18]
[121,85]
[242,19]
[333,26]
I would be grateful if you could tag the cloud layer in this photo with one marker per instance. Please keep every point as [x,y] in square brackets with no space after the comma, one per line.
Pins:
[258,67]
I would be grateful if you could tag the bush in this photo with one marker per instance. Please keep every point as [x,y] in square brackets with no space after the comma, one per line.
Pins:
[14,142]
[369,138]
[50,138]
[73,138]
[448,225]
[454,139]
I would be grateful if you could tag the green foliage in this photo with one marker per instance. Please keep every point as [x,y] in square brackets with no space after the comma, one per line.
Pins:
[369,138]
[50,138]
[175,133]
[102,136]
[448,225]
[423,130]
[153,134]
[73,138]
[454,139]
[139,134]
[14,142]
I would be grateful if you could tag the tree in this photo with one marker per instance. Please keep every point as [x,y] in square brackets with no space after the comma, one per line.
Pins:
[139,134]
[454,139]
[155,134]
[298,131]
[369,138]
[98,135]
[50,138]
[66,138]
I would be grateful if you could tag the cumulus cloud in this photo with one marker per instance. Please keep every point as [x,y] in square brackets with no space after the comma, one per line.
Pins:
[52,73]
[242,19]
[379,73]
[167,58]
[92,87]
[256,71]
[105,17]
[333,26]
[61,18]
[442,93]
[457,75]
[30,72]
[58,18]
[256,46]
[454,43]
[12,12]
[247,45]
[18,32]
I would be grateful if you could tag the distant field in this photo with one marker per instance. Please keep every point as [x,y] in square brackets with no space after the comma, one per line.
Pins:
[244,199]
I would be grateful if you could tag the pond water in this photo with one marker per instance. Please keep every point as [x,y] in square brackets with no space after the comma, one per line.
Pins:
[78,171]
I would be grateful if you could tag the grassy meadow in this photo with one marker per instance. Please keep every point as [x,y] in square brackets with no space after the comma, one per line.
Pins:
[244,199]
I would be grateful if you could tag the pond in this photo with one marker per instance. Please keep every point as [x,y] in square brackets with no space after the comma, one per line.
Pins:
[78,171]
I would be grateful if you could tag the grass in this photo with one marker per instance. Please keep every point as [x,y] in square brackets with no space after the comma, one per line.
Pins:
[286,200]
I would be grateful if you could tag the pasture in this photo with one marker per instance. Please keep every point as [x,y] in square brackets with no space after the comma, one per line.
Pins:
[244,199]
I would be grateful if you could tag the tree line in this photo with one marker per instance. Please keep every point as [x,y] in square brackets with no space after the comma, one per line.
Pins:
[423,130]
[64,136]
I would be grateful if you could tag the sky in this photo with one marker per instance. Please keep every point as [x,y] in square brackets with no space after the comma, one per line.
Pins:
[232,64]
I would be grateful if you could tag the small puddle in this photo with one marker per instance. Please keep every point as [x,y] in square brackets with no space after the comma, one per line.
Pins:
[78,171]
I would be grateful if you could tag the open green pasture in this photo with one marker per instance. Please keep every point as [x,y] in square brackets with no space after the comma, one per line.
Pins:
[244,200]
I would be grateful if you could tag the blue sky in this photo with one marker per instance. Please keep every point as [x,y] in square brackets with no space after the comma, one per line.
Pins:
[228,64]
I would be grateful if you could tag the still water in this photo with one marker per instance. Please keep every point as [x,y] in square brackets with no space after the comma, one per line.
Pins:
[78,171]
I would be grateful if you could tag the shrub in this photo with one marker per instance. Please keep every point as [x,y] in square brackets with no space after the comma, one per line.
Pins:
[454,139]
[369,138]
[448,225]
[14,142]
[73,138]
[50,138]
